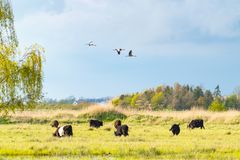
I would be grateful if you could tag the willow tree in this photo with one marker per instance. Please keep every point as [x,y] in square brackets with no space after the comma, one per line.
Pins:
[20,74]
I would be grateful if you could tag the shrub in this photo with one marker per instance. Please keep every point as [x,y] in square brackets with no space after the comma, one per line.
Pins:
[125,101]
[106,115]
[4,120]
[134,100]
[115,102]
[157,101]
[232,102]
[217,105]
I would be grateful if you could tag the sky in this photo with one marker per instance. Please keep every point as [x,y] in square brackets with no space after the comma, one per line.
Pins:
[194,42]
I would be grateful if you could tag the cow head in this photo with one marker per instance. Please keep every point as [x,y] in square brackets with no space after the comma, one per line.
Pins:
[190,126]
[55,124]
[117,123]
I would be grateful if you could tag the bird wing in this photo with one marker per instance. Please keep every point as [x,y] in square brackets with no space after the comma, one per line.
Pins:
[130,53]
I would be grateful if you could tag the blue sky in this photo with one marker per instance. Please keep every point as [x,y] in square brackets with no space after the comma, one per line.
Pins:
[193,42]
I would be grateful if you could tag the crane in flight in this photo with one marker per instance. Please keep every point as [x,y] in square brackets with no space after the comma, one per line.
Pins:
[91,44]
[119,50]
[130,54]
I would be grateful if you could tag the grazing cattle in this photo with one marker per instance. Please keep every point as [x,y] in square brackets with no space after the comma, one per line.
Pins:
[117,123]
[175,129]
[196,123]
[62,131]
[121,130]
[95,123]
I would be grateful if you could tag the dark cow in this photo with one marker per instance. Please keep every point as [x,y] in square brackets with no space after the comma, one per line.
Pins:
[95,123]
[196,123]
[121,130]
[117,123]
[175,129]
[62,131]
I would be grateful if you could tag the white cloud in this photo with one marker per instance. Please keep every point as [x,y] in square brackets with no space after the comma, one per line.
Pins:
[131,24]
[156,27]
[136,22]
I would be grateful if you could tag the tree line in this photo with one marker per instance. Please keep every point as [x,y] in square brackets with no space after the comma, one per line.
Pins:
[74,100]
[179,97]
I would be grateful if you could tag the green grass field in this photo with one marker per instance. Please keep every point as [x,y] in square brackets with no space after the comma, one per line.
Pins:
[149,138]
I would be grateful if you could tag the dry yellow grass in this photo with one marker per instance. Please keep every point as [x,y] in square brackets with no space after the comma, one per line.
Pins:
[210,116]
[223,117]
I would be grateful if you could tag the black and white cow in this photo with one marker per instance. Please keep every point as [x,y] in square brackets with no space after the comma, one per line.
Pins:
[95,123]
[175,129]
[62,131]
[196,123]
[121,130]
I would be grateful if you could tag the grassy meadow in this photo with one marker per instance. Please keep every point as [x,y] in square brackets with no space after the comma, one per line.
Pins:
[28,135]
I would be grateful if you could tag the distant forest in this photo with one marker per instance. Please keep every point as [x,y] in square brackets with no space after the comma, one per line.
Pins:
[74,100]
[179,97]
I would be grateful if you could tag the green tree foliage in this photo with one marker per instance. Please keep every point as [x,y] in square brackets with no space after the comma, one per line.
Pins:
[134,100]
[232,102]
[159,89]
[168,96]
[20,79]
[157,101]
[217,92]
[115,102]
[7,32]
[125,101]
[197,93]
[217,105]
[178,97]
[208,98]
[142,102]
[182,97]
[148,94]
[237,91]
